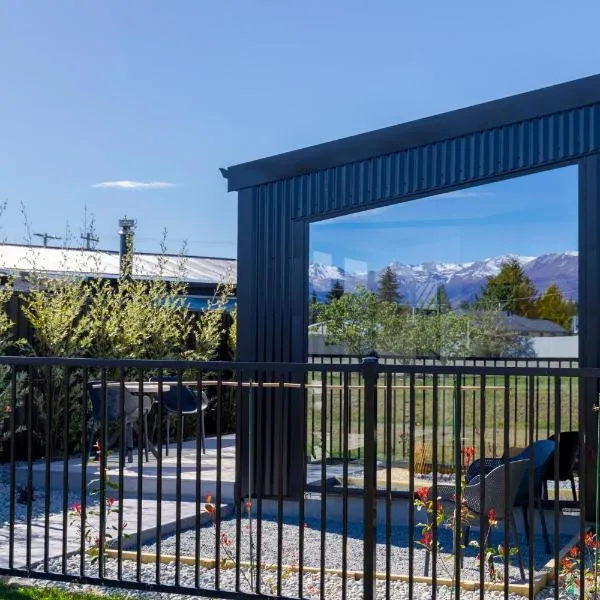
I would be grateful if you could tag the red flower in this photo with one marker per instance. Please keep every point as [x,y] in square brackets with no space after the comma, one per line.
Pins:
[225,540]
[110,501]
[590,541]
[76,507]
[566,564]
[492,517]
[422,494]
[248,505]
[427,539]
[7,409]
[574,552]
[468,453]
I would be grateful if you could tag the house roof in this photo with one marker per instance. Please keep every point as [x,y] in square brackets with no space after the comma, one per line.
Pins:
[105,263]
[526,325]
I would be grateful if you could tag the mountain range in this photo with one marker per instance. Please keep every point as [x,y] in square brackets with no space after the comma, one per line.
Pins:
[418,283]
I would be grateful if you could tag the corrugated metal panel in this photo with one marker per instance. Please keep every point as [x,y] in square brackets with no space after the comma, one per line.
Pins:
[273,238]
[464,161]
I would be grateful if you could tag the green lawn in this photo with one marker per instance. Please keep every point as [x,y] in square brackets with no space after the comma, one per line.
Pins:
[9,592]
[527,398]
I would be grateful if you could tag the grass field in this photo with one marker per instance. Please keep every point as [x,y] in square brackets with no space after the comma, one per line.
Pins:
[480,408]
[10,592]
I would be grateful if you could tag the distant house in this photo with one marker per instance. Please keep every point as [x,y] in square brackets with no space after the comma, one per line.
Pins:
[201,273]
[523,325]
[531,327]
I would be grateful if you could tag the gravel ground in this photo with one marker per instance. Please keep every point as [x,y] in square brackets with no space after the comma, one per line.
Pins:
[333,544]
[39,499]
[333,584]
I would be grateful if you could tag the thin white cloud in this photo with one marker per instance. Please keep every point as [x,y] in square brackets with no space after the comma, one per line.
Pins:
[135,185]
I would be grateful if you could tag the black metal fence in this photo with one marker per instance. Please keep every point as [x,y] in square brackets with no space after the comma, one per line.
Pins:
[419,480]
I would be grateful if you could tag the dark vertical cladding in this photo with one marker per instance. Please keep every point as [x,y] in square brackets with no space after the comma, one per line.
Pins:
[272,282]
[280,196]
[589,311]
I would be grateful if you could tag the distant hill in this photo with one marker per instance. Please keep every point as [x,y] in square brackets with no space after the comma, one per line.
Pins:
[462,281]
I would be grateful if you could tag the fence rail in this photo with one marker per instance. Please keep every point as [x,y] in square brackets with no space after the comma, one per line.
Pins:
[128,474]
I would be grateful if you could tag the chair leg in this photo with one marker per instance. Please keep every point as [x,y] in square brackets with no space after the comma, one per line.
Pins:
[168,431]
[544,528]
[465,544]
[202,432]
[145,435]
[513,527]
[573,487]
[129,440]
[90,443]
[526,523]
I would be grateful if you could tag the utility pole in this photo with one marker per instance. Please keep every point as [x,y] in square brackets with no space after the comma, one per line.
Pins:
[46,237]
[126,231]
[89,237]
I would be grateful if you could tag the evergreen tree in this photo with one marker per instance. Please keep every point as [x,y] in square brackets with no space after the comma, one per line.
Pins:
[511,291]
[313,308]
[336,291]
[388,286]
[553,307]
[442,301]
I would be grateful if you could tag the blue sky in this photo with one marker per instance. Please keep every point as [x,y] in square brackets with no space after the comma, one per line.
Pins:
[529,215]
[165,93]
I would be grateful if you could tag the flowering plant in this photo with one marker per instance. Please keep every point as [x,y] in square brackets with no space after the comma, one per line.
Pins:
[227,546]
[457,519]
[89,518]
[572,563]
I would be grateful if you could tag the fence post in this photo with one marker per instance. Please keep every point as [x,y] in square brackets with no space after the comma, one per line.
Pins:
[370,373]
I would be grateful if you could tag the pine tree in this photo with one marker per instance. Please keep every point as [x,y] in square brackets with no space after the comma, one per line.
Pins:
[313,308]
[388,286]
[553,307]
[511,291]
[442,301]
[336,291]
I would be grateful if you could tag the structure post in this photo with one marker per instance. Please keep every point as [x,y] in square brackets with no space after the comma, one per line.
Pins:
[589,318]
[370,373]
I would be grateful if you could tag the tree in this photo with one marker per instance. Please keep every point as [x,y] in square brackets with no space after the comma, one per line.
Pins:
[442,301]
[336,291]
[553,307]
[313,308]
[353,320]
[388,286]
[511,291]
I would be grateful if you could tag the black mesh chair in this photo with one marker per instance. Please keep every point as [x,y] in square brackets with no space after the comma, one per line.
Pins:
[496,499]
[188,404]
[543,453]
[112,406]
[568,458]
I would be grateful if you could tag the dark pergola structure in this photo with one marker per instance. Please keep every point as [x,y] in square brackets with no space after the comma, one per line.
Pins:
[280,196]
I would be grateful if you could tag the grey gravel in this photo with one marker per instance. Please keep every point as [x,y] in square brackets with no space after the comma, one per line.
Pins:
[333,584]
[333,543]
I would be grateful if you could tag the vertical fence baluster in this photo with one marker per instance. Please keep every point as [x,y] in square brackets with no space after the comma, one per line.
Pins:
[370,370]
[557,435]
[65,481]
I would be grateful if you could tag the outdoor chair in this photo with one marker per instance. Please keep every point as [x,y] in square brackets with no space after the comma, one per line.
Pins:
[568,458]
[543,452]
[112,400]
[496,499]
[188,404]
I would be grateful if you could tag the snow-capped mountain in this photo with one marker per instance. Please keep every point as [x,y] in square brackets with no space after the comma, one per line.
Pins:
[418,283]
